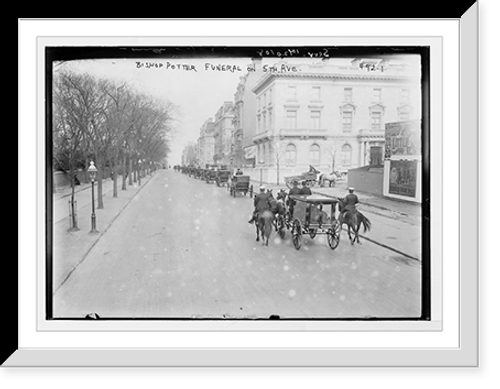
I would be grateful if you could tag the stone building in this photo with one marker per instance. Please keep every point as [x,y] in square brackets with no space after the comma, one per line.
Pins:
[245,118]
[188,157]
[330,114]
[206,144]
[223,134]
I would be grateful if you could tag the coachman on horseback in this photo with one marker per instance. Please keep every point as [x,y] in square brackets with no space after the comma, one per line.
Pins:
[261,202]
[349,202]
[350,216]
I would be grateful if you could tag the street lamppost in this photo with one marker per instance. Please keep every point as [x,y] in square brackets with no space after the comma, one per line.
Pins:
[92,173]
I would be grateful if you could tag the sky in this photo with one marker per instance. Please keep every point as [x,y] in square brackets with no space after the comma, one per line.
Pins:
[197,90]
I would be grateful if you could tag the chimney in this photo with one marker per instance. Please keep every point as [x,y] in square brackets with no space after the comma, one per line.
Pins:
[257,64]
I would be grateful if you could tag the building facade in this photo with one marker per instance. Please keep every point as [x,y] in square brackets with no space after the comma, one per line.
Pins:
[330,115]
[188,157]
[206,144]
[223,134]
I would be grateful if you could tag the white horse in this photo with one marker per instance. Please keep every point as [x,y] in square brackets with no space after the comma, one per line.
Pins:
[330,177]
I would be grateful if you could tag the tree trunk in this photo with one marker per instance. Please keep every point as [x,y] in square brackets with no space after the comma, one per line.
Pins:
[100,172]
[124,171]
[130,171]
[86,175]
[74,220]
[134,165]
[277,173]
[115,176]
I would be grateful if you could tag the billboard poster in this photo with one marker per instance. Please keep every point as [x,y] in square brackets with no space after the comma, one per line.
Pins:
[403,138]
[403,178]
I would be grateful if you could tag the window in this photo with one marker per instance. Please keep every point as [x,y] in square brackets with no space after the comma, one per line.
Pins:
[346,121]
[348,95]
[314,154]
[316,93]
[346,155]
[291,154]
[376,120]
[264,121]
[404,115]
[291,119]
[405,96]
[292,92]
[377,95]
[315,120]
[270,116]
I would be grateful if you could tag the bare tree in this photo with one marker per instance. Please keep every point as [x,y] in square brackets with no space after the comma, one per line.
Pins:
[67,135]
[108,122]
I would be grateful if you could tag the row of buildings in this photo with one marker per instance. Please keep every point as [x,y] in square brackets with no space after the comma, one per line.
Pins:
[331,114]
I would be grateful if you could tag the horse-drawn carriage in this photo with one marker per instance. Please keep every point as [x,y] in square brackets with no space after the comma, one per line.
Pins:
[222,177]
[310,218]
[210,176]
[240,184]
[309,177]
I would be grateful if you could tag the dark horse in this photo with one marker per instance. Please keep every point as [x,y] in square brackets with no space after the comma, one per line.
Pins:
[353,220]
[279,209]
[264,225]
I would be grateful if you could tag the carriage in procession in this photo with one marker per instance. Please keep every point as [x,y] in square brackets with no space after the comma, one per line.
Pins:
[240,184]
[222,177]
[310,178]
[308,215]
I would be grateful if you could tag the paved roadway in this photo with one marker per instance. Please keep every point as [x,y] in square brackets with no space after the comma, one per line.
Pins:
[183,248]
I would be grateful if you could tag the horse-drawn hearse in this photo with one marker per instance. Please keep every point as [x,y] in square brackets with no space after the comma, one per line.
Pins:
[240,184]
[310,218]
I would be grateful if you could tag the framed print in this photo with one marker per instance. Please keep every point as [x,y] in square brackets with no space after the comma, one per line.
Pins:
[246,193]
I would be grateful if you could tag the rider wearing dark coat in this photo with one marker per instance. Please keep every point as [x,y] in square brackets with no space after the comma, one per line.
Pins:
[305,191]
[350,202]
[295,191]
[261,202]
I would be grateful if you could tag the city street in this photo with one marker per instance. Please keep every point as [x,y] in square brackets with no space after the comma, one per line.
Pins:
[183,249]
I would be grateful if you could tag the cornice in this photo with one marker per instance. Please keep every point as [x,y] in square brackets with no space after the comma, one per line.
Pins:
[269,77]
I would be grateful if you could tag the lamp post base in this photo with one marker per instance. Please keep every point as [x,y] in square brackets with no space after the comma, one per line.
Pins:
[93,229]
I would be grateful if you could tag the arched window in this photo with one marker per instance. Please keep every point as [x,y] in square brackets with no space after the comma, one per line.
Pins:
[346,155]
[291,154]
[314,154]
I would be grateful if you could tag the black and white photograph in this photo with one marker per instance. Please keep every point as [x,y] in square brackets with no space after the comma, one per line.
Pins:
[237,183]
[255,202]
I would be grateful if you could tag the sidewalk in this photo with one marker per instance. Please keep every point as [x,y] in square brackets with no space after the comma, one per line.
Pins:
[71,248]
[395,224]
